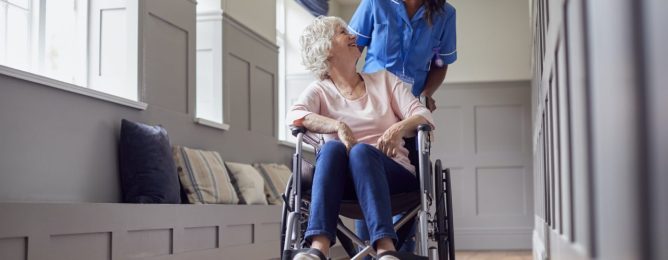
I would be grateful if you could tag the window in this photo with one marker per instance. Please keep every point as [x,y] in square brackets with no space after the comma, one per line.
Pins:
[86,43]
[280,41]
[209,110]
[291,19]
[15,20]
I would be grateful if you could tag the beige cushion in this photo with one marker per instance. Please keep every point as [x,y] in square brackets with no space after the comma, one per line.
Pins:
[203,176]
[276,177]
[249,183]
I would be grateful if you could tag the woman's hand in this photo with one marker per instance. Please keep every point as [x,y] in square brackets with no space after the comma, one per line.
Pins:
[346,135]
[390,141]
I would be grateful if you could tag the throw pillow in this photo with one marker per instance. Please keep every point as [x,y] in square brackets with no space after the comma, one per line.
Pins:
[204,177]
[276,177]
[146,166]
[249,183]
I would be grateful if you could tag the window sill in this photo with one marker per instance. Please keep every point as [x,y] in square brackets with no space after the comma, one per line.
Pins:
[305,147]
[19,74]
[209,123]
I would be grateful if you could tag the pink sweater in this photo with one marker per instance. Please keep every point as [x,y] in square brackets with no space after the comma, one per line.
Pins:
[387,101]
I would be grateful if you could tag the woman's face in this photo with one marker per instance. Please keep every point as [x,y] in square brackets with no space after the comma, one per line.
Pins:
[344,47]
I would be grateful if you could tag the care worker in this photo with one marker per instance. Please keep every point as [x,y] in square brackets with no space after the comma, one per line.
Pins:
[415,40]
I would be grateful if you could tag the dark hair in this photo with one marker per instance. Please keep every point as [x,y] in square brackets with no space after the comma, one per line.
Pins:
[433,8]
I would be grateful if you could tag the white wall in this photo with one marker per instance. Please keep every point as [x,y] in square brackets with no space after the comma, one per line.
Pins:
[493,41]
[345,11]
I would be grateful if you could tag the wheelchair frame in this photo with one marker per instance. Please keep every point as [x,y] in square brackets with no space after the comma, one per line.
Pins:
[430,226]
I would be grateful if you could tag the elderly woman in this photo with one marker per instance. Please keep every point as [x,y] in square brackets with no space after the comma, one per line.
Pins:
[364,118]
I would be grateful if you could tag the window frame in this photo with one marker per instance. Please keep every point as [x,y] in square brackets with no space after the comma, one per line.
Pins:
[210,14]
[37,49]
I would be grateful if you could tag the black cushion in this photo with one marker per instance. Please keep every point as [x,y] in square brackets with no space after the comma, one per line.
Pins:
[147,169]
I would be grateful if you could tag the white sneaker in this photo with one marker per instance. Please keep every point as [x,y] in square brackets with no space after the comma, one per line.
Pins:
[388,257]
[400,256]
[311,254]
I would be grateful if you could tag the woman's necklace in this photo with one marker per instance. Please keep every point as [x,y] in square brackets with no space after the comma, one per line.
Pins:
[352,92]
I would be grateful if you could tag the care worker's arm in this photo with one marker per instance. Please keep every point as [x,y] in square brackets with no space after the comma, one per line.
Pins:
[448,54]
[362,23]
[434,80]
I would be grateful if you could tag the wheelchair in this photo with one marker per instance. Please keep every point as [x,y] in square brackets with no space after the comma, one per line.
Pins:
[434,232]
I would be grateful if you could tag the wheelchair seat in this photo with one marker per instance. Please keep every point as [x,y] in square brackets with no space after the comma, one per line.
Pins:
[401,202]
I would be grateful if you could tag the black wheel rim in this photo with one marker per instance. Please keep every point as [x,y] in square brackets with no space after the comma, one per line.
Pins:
[442,236]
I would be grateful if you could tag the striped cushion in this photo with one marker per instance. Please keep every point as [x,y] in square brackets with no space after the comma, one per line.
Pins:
[204,177]
[276,177]
[249,183]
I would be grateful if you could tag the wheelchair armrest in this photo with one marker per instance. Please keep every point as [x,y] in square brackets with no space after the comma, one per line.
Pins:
[297,129]
[424,127]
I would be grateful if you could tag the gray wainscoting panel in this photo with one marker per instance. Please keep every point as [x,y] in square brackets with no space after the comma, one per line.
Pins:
[237,234]
[200,238]
[58,231]
[14,248]
[93,246]
[499,128]
[265,231]
[451,133]
[510,200]
[251,68]
[461,202]
[148,242]
[166,49]
[262,93]
[238,73]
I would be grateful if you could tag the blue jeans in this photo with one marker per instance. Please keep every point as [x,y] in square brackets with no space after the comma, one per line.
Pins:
[366,174]
[408,244]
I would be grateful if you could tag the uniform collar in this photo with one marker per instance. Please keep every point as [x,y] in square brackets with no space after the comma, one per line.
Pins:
[401,10]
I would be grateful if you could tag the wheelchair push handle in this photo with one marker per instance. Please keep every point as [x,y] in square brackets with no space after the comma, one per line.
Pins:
[424,127]
[295,130]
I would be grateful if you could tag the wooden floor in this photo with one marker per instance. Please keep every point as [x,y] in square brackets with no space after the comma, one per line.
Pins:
[339,254]
[493,255]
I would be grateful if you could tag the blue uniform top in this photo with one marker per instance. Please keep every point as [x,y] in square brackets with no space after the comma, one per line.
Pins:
[405,47]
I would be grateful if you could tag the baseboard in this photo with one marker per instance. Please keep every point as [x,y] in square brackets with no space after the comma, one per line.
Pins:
[539,252]
[493,239]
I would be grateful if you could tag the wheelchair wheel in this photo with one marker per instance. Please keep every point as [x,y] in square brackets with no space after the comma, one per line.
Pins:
[445,233]
[284,215]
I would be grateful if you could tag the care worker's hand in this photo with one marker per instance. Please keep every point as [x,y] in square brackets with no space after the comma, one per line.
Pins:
[390,141]
[431,104]
[346,136]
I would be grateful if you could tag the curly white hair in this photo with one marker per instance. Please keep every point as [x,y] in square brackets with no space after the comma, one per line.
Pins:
[316,41]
